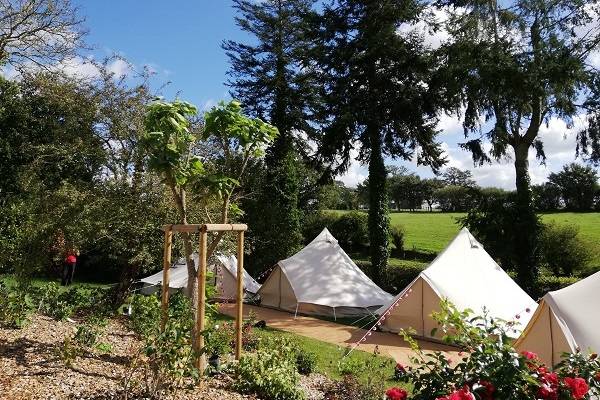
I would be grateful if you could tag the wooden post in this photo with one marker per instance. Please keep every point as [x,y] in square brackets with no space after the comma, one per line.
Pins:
[240,295]
[201,302]
[165,279]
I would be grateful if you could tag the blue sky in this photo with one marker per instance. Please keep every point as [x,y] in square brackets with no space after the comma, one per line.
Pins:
[181,39]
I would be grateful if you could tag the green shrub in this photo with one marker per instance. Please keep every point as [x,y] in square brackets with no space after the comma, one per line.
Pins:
[314,223]
[351,229]
[63,304]
[305,362]
[362,378]
[548,283]
[349,388]
[219,339]
[87,334]
[16,304]
[397,238]
[145,314]
[271,374]
[395,277]
[563,250]
[67,352]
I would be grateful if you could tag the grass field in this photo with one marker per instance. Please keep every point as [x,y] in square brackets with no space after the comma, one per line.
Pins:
[431,232]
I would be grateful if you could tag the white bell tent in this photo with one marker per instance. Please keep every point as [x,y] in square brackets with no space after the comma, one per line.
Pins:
[225,278]
[466,275]
[321,279]
[566,320]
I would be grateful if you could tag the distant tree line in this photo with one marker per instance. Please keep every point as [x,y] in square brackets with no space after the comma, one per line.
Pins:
[574,188]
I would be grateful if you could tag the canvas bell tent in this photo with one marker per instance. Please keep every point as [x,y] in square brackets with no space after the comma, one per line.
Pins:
[466,275]
[224,270]
[566,319]
[321,280]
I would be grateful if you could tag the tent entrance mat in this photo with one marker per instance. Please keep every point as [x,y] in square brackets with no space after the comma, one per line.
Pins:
[389,344]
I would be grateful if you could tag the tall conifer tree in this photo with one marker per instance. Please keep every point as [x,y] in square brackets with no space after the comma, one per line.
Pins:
[274,79]
[516,65]
[377,98]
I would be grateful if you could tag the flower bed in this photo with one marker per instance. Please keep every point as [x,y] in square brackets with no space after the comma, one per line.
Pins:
[489,368]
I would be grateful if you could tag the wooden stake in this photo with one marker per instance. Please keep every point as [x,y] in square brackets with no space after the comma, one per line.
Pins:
[201,276]
[165,279]
[240,295]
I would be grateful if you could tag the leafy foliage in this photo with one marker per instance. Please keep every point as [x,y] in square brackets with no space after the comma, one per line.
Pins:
[16,305]
[563,250]
[305,362]
[168,140]
[375,97]
[495,224]
[350,229]
[578,186]
[274,77]
[397,238]
[489,366]
[271,373]
[362,378]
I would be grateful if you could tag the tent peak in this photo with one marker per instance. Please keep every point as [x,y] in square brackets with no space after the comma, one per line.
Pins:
[324,236]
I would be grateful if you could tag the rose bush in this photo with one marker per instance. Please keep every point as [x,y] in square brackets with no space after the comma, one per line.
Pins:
[488,367]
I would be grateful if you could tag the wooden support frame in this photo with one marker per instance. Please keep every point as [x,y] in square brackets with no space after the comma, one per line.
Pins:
[203,250]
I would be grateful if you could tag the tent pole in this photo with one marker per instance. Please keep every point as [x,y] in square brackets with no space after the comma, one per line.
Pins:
[334,316]
[201,302]
[165,280]
[240,295]
[296,313]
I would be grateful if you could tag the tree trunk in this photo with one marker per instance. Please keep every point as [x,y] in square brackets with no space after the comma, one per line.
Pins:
[378,207]
[191,289]
[526,223]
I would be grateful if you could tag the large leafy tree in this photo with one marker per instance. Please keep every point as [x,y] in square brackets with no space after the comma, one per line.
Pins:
[39,32]
[173,151]
[516,65]
[376,98]
[577,184]
[274,79]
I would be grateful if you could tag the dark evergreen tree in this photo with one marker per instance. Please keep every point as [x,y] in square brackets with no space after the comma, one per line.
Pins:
[376,97]
[517,64]
[274,79]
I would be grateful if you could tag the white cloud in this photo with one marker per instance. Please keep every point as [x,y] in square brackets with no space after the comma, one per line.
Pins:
[77,67]
[119,68]
[559,146]
[356,172]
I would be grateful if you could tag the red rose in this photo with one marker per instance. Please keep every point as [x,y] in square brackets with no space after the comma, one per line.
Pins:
[462,394]
[396,394]
[529,355]
[546,392]
[578,387]
[488,390]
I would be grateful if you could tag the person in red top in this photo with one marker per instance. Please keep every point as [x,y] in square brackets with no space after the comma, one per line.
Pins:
[69,268]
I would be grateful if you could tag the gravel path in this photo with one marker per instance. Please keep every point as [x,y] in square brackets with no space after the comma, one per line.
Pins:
[30,367]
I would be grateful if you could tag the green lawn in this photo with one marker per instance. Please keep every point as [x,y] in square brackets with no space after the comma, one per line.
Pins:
[427,232]
[10,279]
[431,232]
